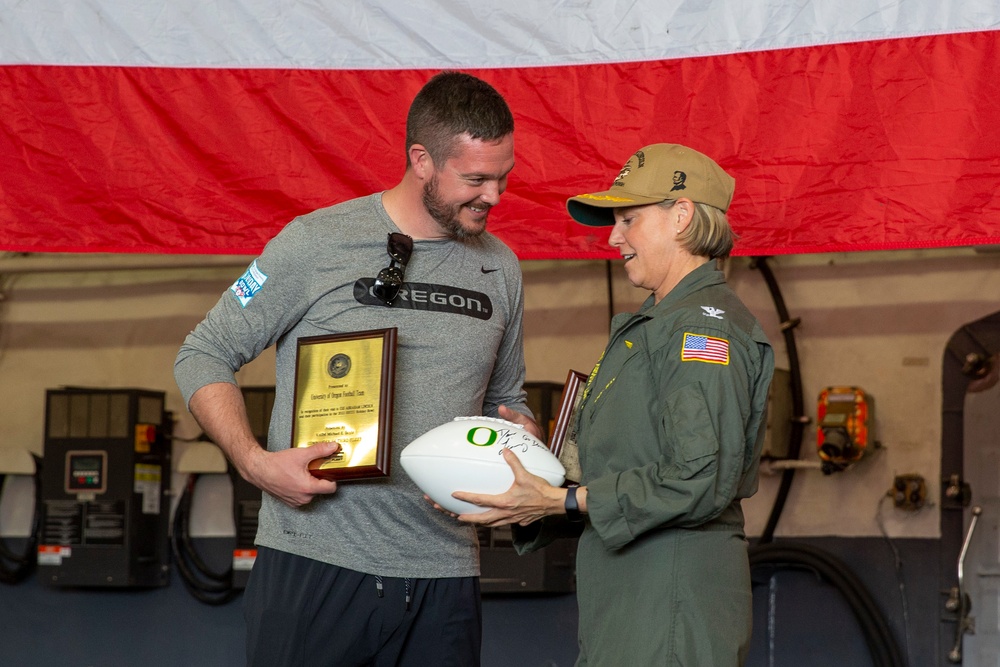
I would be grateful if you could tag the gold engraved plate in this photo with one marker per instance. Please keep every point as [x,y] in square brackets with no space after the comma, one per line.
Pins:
[344,393]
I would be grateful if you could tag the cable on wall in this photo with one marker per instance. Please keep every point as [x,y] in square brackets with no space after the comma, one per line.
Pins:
[799,419]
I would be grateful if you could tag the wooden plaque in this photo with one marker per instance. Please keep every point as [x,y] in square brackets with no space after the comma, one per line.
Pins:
[344,387]
[562,443]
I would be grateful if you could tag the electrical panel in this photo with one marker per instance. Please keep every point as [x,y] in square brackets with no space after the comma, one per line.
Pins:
[105,488]
[908,492]
[777,436]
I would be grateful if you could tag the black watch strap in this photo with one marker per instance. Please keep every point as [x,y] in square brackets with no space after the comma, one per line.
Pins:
[573,512]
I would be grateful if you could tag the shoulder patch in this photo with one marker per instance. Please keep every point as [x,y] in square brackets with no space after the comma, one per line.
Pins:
[247,285]
[709,349]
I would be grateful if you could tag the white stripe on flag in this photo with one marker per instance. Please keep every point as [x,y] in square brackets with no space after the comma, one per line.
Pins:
[435,34]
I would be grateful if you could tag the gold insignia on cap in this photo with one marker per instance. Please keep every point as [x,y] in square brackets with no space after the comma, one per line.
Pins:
[626,170]
[605,198]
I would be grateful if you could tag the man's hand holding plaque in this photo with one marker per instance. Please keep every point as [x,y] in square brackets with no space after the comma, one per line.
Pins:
[285,474]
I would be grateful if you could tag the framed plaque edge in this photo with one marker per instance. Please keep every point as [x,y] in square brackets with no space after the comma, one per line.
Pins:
[574,384]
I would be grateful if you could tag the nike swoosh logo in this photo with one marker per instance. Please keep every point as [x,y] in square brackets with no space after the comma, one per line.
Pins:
[485,270]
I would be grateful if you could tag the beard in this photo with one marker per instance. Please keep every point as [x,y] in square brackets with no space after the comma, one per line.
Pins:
[447,215]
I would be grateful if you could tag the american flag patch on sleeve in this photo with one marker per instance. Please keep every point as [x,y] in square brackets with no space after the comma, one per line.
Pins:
[710,349]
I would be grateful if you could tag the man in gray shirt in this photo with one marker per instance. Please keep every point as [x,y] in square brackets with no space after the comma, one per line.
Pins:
[367,572]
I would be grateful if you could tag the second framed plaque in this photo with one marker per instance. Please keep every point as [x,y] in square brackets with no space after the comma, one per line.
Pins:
[563,440]
[344,388]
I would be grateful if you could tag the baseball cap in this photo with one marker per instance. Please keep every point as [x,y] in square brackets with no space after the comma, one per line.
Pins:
[653,174]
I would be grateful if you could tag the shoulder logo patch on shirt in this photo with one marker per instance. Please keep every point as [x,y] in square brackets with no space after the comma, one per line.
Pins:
[247,285]
[711,311]
[698,347]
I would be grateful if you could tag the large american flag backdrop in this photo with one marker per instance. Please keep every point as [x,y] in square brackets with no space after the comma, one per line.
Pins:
[204,126]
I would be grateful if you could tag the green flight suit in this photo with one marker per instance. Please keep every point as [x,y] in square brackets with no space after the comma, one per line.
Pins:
[670,430]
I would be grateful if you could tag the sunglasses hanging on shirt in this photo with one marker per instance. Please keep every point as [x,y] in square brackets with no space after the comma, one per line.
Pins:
[390,279]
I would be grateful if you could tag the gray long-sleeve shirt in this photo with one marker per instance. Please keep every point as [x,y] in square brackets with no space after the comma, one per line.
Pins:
[460,352]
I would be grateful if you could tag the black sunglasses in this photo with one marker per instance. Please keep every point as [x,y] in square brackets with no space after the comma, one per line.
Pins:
[390,279]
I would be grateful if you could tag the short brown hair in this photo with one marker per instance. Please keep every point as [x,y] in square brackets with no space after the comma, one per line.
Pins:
[452,104]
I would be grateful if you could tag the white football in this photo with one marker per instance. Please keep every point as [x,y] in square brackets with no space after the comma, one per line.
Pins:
[465,455]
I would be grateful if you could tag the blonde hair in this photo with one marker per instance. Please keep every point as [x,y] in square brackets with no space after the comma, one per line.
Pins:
[709,234]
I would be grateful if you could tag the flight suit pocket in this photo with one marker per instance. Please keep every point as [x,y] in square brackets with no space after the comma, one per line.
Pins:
[689,426]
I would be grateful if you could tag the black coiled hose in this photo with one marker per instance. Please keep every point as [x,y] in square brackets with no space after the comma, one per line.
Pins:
[882,645]
[16,567]
[204,584]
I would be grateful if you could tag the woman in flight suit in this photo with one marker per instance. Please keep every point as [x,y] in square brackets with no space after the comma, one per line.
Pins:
[670,429]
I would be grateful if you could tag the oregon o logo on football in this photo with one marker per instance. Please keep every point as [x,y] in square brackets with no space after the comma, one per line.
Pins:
[476,436]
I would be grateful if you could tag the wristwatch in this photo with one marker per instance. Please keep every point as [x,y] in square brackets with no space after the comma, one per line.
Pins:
[573,513]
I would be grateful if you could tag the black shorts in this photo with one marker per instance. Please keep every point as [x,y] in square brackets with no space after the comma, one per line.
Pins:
[303,613]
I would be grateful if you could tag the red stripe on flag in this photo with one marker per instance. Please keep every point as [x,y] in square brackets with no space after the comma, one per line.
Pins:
[875,145]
